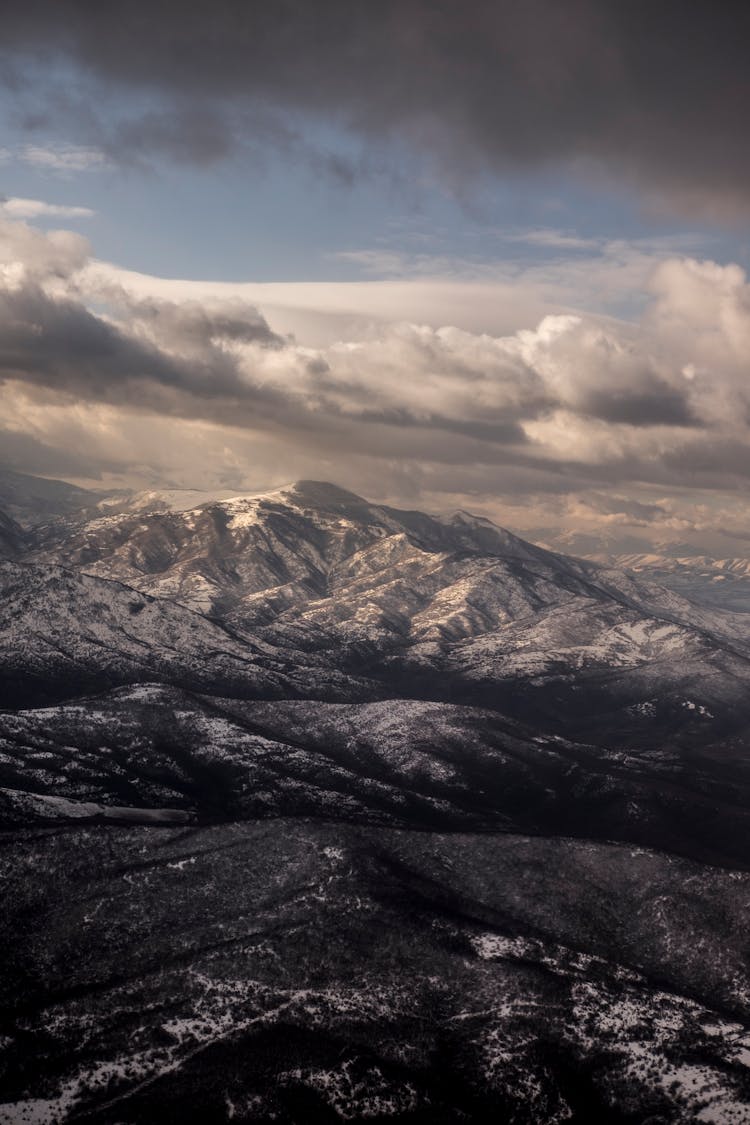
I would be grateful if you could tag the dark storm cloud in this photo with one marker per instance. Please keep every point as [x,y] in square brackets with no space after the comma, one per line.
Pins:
[501,431]
[715,463]
[653,90]
[181,360]
[61,344]
[657,405]
[442,396]
[200,326]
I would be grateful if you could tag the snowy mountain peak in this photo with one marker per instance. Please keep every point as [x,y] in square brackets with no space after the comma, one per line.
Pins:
[302,493]
[164,500]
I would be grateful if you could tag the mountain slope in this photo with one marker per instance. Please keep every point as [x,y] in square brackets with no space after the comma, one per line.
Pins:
[154,753]
[293,542]
[12,543]
[448,608]
[307,973]
[65,634]
[316,559]
[314,810]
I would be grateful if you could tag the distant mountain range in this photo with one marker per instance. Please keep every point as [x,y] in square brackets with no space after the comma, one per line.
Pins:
[318,810]
[721,580]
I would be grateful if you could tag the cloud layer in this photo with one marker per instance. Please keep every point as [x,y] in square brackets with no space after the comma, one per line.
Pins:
[652,93]
[579,418]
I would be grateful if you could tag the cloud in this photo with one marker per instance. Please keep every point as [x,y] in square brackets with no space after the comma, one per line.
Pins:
[29,255]
[16,208]
[220,357]
[651,94]
[553,240]
[63,159]
[601,373]
[182,385]
[493,297]
[613,509]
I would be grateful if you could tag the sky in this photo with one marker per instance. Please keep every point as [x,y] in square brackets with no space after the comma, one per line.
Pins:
[481,255]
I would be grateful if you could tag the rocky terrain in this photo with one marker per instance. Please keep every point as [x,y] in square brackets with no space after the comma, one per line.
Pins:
[316,810]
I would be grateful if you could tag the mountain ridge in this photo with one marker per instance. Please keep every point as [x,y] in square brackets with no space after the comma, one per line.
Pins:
[332,811]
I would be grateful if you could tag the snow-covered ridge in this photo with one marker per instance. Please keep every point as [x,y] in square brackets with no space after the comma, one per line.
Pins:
[298,493]
[313,575]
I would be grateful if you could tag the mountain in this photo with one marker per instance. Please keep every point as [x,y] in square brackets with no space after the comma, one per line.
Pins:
[315,810]
[720,580]
[34,500]
[65,634]
[723,583]
[151,752]
[291,544]
[450,607]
